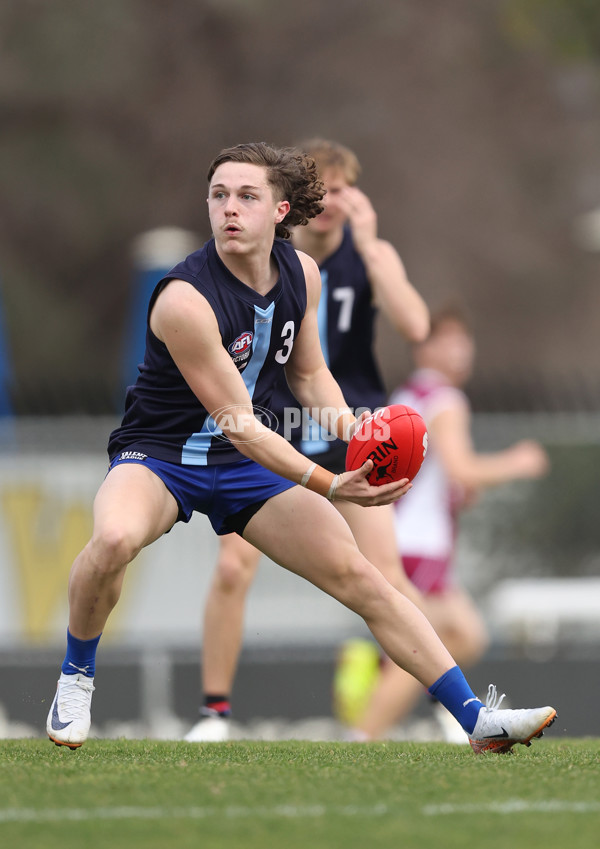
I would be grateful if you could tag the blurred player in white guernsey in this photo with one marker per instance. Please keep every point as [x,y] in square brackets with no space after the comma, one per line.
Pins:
[426,522]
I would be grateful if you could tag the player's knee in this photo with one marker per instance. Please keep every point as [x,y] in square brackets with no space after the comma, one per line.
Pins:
[112,547]
[358,582]
[234,573]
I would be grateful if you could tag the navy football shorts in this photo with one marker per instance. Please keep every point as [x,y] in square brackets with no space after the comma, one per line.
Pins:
[229,494]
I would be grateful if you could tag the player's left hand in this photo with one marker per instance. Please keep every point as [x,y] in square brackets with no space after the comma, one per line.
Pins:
[351,429]
[361,216]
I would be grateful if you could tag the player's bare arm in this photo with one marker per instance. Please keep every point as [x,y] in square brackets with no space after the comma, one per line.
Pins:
[450,431]
[314,386]
[308,375]
[392,291]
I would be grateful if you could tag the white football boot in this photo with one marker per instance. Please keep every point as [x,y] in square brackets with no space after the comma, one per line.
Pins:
[69,719]
[498,730]
[210,728]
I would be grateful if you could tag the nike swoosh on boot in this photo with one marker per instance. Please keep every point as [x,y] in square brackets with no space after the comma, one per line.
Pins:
[57,725]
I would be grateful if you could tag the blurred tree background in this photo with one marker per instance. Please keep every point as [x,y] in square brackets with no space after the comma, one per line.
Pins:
[477,125]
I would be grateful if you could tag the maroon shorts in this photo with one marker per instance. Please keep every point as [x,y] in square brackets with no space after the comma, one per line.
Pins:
[431,575]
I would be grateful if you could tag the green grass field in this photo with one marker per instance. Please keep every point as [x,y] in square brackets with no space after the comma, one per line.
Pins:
[298,795]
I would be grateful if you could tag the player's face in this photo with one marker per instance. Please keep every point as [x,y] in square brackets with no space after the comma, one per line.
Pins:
[242,209]
[334,214]
[453,352]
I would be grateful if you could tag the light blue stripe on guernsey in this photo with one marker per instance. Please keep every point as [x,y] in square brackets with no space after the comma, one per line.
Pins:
[315,444]
[195,450]
[322,315]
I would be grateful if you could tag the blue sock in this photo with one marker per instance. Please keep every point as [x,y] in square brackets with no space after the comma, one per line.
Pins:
[80,656]
[452,690]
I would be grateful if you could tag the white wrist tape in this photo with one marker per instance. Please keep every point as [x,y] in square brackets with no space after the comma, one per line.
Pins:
[333,487]
[307,474]
[318,479]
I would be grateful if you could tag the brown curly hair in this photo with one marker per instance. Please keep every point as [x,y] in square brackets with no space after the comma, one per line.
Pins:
[292,175]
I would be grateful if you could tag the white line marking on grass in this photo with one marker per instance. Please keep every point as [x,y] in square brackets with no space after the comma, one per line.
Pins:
[515,806]
[510,806]
[237,812]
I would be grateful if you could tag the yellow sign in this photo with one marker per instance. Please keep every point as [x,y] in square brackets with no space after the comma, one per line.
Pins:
[46,537]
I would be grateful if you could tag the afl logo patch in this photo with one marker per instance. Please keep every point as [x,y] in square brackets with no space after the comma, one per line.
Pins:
[241,344]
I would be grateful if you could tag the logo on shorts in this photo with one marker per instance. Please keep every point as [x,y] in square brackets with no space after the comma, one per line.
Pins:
[132,455]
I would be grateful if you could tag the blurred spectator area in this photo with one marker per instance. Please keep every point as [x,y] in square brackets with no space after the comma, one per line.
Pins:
[477,126]
[544,530]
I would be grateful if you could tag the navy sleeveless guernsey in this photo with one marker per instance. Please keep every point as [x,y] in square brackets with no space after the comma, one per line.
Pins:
[347,328]
[163,418]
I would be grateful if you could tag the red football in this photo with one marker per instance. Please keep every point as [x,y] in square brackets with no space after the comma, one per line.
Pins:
[395,439]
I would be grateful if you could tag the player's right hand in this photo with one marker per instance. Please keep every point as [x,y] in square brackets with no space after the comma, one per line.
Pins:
[530,459]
